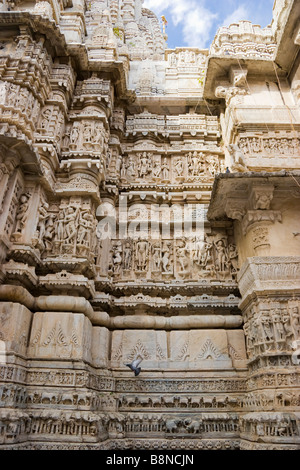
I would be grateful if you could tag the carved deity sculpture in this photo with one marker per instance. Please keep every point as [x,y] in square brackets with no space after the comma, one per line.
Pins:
[22,213]
[142,251]
[127,256]
[165,170]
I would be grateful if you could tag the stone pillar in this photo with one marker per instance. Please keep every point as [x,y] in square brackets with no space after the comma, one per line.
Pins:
[266,226]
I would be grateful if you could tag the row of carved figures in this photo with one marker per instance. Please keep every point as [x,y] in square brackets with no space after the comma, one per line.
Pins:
[272,330]
[146,165]
[94,426]
[269,146]
[213,255]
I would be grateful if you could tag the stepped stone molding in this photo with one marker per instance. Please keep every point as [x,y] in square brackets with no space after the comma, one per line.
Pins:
[148,210]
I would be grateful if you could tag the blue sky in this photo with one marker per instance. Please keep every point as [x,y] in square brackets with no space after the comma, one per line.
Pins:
[194,23]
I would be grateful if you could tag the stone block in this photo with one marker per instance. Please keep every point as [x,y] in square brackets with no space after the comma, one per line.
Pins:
[15,320]
[60,336]
[200,349]
[100,342]
[149,345]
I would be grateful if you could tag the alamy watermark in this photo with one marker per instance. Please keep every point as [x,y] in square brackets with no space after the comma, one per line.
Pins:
[149,221]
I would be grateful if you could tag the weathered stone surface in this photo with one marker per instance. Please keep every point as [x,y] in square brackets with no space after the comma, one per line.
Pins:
[149,210]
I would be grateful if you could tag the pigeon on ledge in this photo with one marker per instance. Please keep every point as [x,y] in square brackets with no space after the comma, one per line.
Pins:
[134,366]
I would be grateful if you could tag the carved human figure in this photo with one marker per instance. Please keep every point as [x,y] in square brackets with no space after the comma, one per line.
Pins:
[221,260]
[74,134]
[12,94]
[49,232]
[87,133]
[117,258]
[142,251]
[182,257]
[295,317]
[70,221]
[194,163]
[156,170]
[206,253]
[123,172]
[278,325]
[165,169]
[85,225]
[266,325]
[156,257]
[143,167]
[22,213]
[127,256]
[166,257]
[237,158]
[59,229]
[233,257]
[46,115]
[22,99]
[179,168]
[130,167]
[43,214]
[262,201]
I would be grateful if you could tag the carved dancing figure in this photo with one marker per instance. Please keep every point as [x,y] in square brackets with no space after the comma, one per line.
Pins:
[166,258]
[70,220]
[84,228]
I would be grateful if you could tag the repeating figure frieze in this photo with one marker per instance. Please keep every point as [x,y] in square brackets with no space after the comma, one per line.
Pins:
[277,146]
[215,257]
[272,330]
[88,426]
[264,425]
[175,402]
[188,385]
[115,152]
[194,167]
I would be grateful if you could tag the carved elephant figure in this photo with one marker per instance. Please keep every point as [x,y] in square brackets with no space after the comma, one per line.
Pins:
[82,399]
[131,401]
[192,426]
[48,398]
[172,425]
[67,399]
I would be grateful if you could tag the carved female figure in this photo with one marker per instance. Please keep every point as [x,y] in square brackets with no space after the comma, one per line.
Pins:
[60,227]
[70,223]
[156,257]
[127,257]
[165,169]
[221,255]
[84,227]
[22,213]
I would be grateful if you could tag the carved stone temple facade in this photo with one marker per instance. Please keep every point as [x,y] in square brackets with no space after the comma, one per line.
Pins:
[149,209]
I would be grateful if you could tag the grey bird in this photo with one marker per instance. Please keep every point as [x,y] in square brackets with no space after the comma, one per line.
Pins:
[134,366]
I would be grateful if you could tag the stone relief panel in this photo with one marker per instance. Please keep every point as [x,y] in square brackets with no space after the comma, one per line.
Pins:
[272,329]
[214,257]
[150,346]
[273,150]
[68,229]
[192,167]
[60,335]
[15,320]
[208,349]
